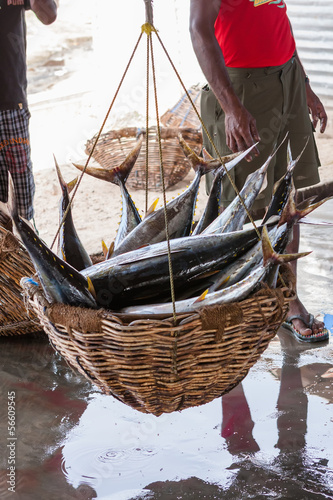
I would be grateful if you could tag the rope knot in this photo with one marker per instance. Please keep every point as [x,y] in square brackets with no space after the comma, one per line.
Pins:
[148,29]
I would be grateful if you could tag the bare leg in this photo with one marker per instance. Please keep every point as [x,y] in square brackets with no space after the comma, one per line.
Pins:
[296,306]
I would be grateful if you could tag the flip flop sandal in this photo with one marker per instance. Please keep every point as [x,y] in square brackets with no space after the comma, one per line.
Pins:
[318,337]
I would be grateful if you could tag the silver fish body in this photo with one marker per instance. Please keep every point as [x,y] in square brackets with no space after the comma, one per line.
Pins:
[234,293]
[234,216]
[213,206]
[144,272]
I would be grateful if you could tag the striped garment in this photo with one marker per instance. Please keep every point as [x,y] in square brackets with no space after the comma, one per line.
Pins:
[15,158]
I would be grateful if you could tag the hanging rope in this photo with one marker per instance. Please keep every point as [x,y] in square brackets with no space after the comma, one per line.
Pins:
[147,117]
[96,140]
[166,222]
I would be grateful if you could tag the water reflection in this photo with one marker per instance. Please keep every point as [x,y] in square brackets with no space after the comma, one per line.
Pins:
[49,400]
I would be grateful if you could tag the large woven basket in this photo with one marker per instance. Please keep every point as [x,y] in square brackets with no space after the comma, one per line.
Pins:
[182,114]
[156,366]
[113,146]
[14,264]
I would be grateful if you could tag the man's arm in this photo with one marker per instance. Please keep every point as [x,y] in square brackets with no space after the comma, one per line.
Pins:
[241,130]
[316,107]
[45,10]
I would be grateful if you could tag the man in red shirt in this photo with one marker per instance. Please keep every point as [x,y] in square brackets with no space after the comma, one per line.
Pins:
[257,91]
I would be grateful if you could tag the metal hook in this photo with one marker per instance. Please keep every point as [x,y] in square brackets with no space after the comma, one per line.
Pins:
[149,11]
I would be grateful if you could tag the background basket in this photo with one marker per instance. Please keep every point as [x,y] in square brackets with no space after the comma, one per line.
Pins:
[183,114]
[115,145]
[14,264]
[155,366]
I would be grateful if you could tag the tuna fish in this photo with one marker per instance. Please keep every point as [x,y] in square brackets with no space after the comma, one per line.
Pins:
[234,216]
[70,248]
[213,207]
[283,187]
[179,212]
[60,281]
[130,217]
[144,272]
[234,293]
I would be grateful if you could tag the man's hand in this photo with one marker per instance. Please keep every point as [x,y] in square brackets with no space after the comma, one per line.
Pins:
[241,131]
[316,109]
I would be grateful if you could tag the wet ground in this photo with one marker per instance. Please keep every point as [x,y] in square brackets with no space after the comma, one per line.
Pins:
[271,437]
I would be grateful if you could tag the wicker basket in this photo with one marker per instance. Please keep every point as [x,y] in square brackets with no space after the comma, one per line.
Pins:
[113,146]
[14,264]
[183,113]
[155,366]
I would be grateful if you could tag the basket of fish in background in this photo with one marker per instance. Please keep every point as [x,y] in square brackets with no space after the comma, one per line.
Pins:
[183,114]
[161,343]
[15,263]
[114,145]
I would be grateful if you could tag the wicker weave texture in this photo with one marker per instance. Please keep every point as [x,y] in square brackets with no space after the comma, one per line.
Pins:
[113,147]
[183,113]
[14,264]
[157,367]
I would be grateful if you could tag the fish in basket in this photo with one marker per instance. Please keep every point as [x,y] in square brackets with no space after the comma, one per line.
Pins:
[163,343]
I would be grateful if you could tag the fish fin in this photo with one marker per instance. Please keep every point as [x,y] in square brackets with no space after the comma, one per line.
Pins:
[105,249]
[110,251]
[91,287]
[219,285]
[202,296]
[306,203]
[71,184]
[270,256]
[63,256]
[152,208]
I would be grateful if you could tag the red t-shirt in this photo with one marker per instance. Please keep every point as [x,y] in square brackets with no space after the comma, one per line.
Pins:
[254,33]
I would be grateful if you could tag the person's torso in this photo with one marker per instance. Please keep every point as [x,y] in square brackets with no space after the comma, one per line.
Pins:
[254,33]
[13,77]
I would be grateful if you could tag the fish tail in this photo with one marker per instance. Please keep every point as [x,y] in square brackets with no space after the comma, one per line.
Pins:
[115,175]
[11,203]
[198,163]
[307,210]
[64,185]
[293,162]
[126,167]
[293,214]
[270,256]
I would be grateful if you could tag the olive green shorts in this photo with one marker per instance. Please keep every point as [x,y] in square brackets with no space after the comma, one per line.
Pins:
[276,97]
